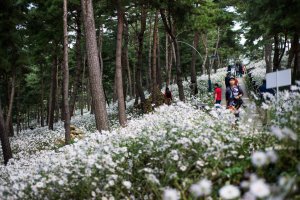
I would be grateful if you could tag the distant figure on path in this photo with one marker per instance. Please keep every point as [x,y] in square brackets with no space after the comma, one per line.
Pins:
[241,70]
[233,71]
[227,77]
[229,68]
[237,68]
[244,69]
[218,94]
[168,96]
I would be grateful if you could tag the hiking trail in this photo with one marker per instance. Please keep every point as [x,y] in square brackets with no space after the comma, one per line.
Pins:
[249,111]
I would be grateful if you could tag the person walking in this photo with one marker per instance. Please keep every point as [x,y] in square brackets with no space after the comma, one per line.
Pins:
[227,77]
[237,70]
[244,69]
[241,70]
[168,96]
[233,71]
[218,94]
[229,68]
[234,96]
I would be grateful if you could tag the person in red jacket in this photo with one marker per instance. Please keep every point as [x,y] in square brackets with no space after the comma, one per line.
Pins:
[218,94]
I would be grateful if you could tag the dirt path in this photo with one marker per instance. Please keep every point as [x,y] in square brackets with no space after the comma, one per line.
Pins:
[249,114]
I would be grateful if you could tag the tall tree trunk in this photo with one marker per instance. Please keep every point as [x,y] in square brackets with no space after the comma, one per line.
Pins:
[57,103]
[179,71]
[95,74]
[77,84]
[296,71]
[42,97]
[62,115]
[283,47]
[66,77]
[126,59]
[291,54]
[216,50]
[158,69]
[168,26]
[52,98]
[119,81]
[10,106]
[149,74]
[193,65]
[169,60]
[204,40]
[268,56]
[276,64]
[83,87]
[6,150]
[100,44]
[28,117]
[100,57]
[139,63]
[154,60]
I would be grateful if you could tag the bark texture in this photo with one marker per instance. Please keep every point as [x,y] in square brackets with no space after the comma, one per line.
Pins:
[66,78]
[95,75]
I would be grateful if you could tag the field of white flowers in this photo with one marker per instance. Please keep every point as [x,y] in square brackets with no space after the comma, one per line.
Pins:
[176,152]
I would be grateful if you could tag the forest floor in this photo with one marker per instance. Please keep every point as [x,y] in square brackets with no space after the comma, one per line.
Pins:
[178,151]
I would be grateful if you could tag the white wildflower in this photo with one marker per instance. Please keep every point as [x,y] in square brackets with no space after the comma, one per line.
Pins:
[152,178]
[127,184]
[229,192]
[294,88]
[171,194]
[174,155]
[259,159]
[202,188]
[40,185]
[260,189]
[60,182]
[265,106]
[245,184]
[289,133]
[200,163]
[111,182]
[283,181]
[183,168]
[272,156]
[277,132]
[249,196]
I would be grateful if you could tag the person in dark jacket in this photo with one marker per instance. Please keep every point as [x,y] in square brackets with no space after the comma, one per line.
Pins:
[234,95]
[241,70]
[229,68]
[237,70]
[227,77]
[168,96]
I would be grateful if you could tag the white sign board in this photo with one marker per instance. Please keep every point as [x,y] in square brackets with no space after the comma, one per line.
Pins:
[279,78]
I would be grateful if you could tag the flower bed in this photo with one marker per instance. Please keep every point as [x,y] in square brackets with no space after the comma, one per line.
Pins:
[172,148]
